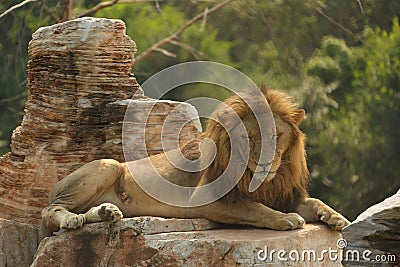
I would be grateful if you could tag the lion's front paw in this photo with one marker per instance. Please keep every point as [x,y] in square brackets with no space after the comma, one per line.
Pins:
[290,221]
[105,212]
[109,212]
[72,221]
[332,218]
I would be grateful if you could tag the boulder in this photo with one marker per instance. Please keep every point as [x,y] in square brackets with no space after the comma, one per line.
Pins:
[80,85]
[18,243]
[374,237]
[152,241]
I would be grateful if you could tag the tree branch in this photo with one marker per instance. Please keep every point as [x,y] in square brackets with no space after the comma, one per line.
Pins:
[340,26]
[165,52]
[49,12]
[204,21]
[15,7]
[361,7]
[67,9]
[179,32]
[97,7]
[15,97]
[196,54]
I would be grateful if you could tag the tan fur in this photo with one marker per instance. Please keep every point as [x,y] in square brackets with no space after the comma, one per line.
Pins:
[284,190]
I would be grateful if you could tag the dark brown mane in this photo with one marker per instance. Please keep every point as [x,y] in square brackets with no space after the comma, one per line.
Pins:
[289,185]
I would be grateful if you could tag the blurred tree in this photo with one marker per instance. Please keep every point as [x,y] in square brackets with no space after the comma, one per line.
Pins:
[352,95]
[13,59]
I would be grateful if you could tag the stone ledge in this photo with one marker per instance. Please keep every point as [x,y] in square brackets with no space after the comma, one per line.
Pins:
[151,241]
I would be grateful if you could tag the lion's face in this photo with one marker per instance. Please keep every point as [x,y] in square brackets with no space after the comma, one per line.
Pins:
[283,136]
[278,154]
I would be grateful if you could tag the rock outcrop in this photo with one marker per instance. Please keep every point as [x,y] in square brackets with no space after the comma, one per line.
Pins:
[80,84]
[18,243]
[374,237]
[152,241]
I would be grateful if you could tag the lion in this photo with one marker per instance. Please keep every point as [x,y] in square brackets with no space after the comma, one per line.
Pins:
[105,190]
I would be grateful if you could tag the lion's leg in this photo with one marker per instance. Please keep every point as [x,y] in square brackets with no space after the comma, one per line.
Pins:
[314,210]
[57,216]
[79,192]
[251,213]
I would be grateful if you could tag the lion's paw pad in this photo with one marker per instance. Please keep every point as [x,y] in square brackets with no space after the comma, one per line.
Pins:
[109,212]
[72,221]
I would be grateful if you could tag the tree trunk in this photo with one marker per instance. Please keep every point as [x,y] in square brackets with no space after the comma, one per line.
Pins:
[67,7]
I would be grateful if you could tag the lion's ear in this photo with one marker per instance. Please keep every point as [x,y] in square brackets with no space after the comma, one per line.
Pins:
[299,115]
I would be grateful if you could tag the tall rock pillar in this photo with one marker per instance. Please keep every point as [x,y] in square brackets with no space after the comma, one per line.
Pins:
[80,83]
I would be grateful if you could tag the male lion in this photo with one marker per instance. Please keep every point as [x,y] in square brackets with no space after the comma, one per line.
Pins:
[105,190]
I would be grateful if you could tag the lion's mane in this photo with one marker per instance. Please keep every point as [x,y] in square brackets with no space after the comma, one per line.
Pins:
[288,188]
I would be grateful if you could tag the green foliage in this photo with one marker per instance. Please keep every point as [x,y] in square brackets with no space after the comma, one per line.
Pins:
[331,62]
[353,130]
[13,59]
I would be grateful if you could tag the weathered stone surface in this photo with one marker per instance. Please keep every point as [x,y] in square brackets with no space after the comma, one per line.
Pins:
[152,126]
[150,241]
[79,74]
[18,243]
[376,230]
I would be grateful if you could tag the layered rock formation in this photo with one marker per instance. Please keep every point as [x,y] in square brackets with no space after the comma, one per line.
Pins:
[148,241]
[374,237]
[80,83]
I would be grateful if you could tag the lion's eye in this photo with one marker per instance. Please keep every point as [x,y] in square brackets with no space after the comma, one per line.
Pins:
[246,137]
[275,137]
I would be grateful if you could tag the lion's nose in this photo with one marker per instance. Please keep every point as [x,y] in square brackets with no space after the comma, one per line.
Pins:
[264,166]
